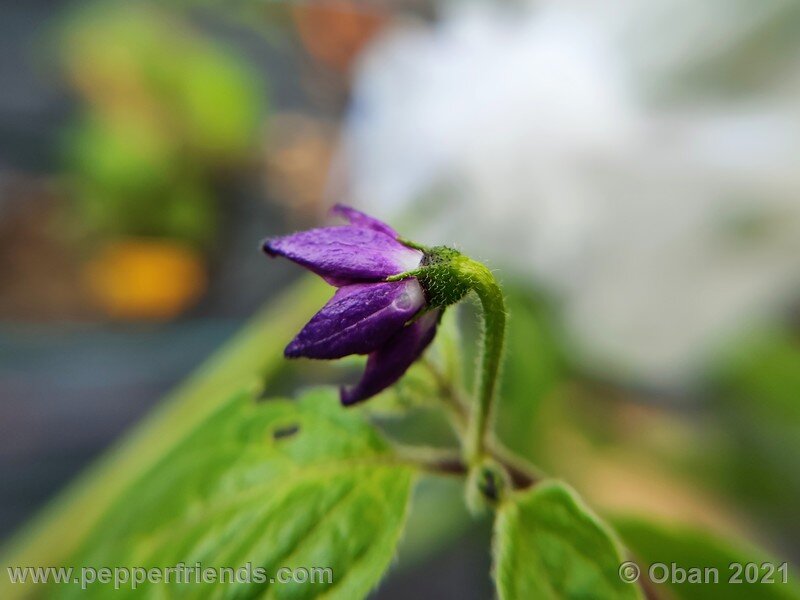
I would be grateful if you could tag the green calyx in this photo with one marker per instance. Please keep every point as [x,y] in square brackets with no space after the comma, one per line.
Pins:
[442,276]
[446,275]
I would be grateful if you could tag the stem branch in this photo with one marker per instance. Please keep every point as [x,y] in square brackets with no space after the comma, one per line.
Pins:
[449,394]
[446,462]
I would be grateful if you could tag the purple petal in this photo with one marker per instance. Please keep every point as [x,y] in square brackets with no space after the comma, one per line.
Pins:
[390,362]
[360,219]
[359,319]
[345,255]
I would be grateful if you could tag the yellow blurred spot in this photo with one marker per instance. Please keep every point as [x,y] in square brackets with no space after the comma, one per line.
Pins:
[146,279]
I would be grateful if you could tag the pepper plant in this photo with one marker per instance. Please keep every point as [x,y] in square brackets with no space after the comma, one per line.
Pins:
[225,474]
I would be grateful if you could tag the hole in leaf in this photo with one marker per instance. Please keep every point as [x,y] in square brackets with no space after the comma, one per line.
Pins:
[288,431]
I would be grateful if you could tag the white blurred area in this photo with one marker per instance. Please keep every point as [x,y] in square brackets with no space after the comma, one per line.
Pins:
[639,160]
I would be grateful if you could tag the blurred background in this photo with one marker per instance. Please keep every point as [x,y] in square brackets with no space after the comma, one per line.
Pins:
[629,171]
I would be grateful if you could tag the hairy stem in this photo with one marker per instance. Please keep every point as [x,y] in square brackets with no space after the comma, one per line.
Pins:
[447,276]
[493,343]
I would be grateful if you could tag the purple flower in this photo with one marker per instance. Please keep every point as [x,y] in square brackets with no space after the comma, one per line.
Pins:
[388,320]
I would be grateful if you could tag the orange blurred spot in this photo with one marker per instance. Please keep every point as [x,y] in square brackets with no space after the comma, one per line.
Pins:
[146,279]
[299,150]
[335,31]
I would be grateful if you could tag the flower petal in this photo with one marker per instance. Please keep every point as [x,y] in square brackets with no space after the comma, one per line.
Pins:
[360,219]
[390,362]
[345,255]
[358,319]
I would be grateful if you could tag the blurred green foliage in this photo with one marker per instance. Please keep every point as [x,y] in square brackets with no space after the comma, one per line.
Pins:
[757,394]
[687,547]
[533,368]
[168,111]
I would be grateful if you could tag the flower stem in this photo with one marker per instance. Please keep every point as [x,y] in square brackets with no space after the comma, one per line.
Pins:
[493,343]
[447,276]
[454,405]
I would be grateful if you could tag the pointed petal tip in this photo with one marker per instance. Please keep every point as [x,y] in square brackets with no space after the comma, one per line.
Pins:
[267,247]
[344,211]
[348,396]
[360,219]
[389,363]
[293,350]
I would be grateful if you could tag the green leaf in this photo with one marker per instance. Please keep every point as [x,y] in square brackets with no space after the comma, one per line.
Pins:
[255,352]
[689,548]
[549,545]
[274,484]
